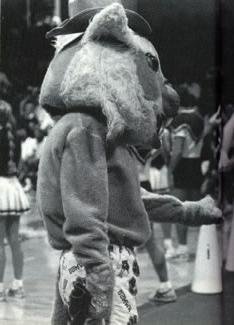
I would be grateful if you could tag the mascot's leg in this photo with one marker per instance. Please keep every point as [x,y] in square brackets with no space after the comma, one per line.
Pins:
[59,314]
[124,309]
[72,295]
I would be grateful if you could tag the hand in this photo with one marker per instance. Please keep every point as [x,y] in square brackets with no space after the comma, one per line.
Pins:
[211,213]
[215,119]
[203,212]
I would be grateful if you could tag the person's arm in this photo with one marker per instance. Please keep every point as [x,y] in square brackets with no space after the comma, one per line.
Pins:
[212,122]
[166,146]
[167,208]
[176,155]
[84,190]
[177,151]
[227,142]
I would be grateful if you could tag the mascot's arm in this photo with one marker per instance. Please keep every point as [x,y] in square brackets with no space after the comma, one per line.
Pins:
[84,189]
[166,208]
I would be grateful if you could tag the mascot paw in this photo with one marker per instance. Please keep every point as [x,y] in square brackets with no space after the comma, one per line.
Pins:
[203,212]
[100,283]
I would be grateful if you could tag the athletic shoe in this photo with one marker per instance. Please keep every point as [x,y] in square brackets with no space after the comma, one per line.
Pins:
[170,253]
[16,293]
[2,296]
[182,254]
[164,296]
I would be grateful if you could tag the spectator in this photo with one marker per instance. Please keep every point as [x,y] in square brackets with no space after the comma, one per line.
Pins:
[31,151]
[13,201]
[185,164]
[165,292]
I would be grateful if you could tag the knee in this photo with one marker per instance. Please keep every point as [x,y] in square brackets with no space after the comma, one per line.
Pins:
[14,243]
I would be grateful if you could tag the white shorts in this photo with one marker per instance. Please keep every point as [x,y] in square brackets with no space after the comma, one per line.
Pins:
[124,310]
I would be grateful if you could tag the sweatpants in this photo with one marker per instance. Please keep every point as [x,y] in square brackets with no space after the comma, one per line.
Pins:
[126,272]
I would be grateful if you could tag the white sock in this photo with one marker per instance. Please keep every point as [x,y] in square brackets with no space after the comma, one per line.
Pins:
[16,284]
[1,286]
[183,248]
[168,243]
[165,285]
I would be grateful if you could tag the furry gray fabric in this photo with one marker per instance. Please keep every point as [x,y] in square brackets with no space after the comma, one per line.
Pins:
[110,75]
[167,208]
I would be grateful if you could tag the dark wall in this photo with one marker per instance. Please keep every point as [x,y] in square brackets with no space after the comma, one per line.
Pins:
[24,51]
[184,34]
[193,38]
[227,29]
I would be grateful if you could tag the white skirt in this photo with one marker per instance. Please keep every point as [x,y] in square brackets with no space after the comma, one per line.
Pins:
[13,200]
[159,179]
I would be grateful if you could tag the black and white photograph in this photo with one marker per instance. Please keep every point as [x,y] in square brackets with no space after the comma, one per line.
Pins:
[117,162]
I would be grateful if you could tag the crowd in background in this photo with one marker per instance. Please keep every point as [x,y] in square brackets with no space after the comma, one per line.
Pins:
[33,125]
[187,165]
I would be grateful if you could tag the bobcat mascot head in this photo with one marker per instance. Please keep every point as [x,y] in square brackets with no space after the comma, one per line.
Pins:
[113,69]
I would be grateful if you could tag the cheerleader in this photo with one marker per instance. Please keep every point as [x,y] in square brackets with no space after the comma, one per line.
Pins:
[13,201]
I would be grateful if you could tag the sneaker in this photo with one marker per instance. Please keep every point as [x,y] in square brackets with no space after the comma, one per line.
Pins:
[170,253]
[164,296]
[16,293]
[2,296]
[182,254]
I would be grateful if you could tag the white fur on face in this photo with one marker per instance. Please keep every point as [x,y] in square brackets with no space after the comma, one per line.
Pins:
[106,74]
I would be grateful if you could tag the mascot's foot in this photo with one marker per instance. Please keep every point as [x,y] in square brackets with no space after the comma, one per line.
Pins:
[164,296]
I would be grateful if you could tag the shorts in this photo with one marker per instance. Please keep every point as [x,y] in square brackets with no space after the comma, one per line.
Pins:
[126,269]
[187,174]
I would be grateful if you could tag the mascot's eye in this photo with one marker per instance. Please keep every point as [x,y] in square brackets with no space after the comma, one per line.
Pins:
[152,61]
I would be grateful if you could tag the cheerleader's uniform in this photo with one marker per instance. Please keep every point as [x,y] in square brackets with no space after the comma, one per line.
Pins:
[189,126]
[13,200]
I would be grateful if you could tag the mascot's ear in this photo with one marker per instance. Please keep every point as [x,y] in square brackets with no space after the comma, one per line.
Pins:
[111,21]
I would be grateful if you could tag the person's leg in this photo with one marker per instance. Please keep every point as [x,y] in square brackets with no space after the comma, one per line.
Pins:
[124,307]
[165,293]
[2,255]
[12,231]
[182,230]
[168,242]
[182,234]
[59,313]
[166,228]
[157,256]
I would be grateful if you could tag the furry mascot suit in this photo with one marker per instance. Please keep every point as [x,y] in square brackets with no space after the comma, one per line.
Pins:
[107,92]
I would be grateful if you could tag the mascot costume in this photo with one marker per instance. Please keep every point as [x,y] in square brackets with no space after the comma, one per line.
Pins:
[107,93]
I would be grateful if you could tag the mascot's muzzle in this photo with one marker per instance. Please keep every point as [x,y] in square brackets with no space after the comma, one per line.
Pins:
[171,104]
